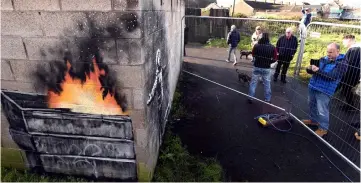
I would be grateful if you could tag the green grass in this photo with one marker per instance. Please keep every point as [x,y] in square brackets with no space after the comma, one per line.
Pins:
[314,19]
[14,175]
[244,44]
[175,163]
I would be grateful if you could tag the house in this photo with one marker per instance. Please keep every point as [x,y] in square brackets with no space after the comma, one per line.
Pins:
[341,11]
[198,3]
[249,8]
[213,6]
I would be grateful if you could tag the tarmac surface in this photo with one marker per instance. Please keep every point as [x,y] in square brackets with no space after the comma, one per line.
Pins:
[220,124]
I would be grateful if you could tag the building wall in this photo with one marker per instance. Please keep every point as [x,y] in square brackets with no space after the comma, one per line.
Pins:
[241,7]
[137,41]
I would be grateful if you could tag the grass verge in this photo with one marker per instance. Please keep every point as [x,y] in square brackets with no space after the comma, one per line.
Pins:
[175,164]
[14,175]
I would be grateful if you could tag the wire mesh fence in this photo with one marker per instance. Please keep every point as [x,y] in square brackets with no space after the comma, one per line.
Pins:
[324,96]
[331,102]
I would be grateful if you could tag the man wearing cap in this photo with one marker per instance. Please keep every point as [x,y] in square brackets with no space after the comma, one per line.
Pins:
[306,18]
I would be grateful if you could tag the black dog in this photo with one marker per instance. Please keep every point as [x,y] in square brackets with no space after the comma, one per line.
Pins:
[242,77]
[245,52]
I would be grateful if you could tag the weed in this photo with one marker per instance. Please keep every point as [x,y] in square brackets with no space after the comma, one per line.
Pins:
[175,164]
[14,175]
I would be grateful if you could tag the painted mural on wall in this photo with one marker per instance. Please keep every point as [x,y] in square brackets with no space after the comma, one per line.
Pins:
[80,127]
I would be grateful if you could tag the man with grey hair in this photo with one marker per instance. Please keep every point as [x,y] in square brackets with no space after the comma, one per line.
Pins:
[233,39]
[326,75]
[286,47]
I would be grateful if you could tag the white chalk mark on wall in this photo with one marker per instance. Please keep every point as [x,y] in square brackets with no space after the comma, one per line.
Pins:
[158,78]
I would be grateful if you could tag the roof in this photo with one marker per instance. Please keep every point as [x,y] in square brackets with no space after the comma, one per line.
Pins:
[198,3]
[257,5]
[214,6]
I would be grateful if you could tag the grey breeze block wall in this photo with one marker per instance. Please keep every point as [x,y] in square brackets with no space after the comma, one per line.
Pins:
[139,41]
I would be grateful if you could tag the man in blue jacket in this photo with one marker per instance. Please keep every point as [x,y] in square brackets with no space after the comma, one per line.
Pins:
[322,86]
[233,39]
[306,17]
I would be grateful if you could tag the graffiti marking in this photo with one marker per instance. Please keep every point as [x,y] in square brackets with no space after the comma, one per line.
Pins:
[158,78]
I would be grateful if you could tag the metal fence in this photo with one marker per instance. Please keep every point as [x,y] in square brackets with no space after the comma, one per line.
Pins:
[313,40]
[344,105]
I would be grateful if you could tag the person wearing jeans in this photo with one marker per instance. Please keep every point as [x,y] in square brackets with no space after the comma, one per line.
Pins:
[233,39]
[318,103]
[265,54]
[322,87]
[265,74]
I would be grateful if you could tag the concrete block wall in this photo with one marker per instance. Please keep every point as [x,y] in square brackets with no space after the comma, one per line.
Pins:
[131,32]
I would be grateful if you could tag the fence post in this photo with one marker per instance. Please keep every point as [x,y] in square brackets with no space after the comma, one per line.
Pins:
[303,36]
[294,83]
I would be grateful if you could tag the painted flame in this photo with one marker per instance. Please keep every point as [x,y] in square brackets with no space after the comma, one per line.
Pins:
[86,97]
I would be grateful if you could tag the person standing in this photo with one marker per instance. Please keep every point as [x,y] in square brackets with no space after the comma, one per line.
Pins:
[233,39]
[322,87]
[352,75]
[286,47]
[306,18]
[265,54]
[256,36]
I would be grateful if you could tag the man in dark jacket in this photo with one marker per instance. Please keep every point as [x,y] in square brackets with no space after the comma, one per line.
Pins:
[322,87]
[306,17]
[286,47]
[352,75]
[265,54]
[233,39]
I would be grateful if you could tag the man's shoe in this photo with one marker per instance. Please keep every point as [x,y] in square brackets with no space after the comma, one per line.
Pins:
[321,132]
[309,122]
[227,60]
[275,79]
[250,101]
[284,81]
[357,136]
[235,63]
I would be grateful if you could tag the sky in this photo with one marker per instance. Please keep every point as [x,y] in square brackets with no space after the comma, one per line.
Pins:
[356,3]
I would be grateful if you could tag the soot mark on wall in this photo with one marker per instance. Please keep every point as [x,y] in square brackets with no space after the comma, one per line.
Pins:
[80,127]
[157,85]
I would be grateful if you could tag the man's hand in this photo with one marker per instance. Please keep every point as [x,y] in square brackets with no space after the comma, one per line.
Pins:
[314,68]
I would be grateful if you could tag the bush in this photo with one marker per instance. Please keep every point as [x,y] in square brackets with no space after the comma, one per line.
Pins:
[240,15]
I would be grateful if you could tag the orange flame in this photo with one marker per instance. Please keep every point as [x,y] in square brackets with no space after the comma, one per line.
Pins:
[86,97]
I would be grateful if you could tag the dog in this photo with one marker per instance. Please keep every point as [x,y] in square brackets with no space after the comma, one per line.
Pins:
[244,78]
[246,53]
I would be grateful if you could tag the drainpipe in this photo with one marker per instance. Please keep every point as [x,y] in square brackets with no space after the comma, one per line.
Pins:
[234,3]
